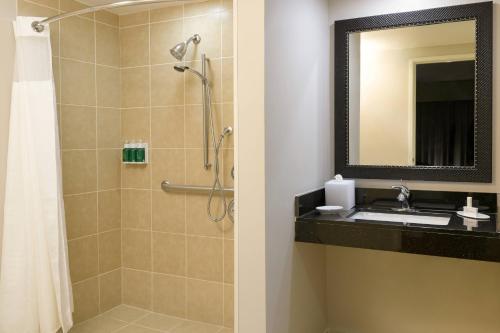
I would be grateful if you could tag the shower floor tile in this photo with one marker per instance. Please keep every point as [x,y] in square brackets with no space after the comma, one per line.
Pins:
[129,319]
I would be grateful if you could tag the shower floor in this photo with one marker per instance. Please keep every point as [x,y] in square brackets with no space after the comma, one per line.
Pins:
[128,319]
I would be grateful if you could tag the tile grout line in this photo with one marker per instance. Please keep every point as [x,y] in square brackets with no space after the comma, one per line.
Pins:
[151,278]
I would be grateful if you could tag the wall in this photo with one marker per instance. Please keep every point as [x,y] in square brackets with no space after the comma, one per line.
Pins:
[250,227]
[175,260]
[8,13]
[372,291]
[85,60]
[297,158]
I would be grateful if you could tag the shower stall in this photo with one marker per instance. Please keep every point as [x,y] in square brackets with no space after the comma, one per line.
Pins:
[150,243]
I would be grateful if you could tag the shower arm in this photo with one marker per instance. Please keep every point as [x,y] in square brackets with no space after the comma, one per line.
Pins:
[39,26]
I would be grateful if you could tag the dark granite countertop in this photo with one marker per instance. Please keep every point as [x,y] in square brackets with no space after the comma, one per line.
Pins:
[462,238]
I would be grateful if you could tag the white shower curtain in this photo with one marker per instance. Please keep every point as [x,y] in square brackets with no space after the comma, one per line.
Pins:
[35,287]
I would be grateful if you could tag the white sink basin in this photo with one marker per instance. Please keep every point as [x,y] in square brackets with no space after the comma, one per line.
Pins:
[401,218]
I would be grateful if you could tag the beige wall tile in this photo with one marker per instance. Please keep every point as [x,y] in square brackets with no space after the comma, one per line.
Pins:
[202,8]
[134,19]
[134,46]
[227,34]
[168,164]
[228,261]
[108,86]
[106,17]
[194,125]
[72,5]
[193,83]
[196,174]
[47,3]
[136,176]
[228,305]
[79,171]
[55,34]
[166,13]
[77,83]
[209,28]
[135,124]
[31,9]
[197,222]
[81,215]
[164,36]
[167,127]
[109,210]
[110,290]
[83,258]
[78,127]
[227,80]
[169,253]
[169,295]
[107,44]
[169,212]
[56,72]
[136,249]
[227,5]
[135,87]
[86,300]
[205,258]
[228,161]
[77,39]
[109,251]
[108,128]
[109,169]
[205,301]
[228,121]
[137,288]
[136,209]
[167,86]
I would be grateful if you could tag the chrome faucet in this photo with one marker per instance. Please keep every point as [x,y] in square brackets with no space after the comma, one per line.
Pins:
[403,197]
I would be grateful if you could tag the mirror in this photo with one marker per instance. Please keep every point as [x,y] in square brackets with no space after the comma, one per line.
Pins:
[412,89]
[413,95]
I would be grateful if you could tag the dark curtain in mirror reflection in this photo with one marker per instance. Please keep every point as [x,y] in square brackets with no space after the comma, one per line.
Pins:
[445,114]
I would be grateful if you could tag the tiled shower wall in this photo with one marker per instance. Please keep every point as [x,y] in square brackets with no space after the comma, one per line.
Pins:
[129,241]
[86,69]
[175,260]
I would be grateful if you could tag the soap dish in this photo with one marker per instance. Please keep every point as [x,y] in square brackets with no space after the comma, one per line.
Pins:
[477,216]
[328,210]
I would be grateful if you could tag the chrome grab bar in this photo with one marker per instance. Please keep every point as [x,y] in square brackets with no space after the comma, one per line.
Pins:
[167,187]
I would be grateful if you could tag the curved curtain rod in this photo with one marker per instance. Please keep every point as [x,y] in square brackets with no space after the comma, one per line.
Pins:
[39,26]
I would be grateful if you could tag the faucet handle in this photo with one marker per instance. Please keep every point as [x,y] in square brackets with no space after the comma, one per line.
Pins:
[404,190]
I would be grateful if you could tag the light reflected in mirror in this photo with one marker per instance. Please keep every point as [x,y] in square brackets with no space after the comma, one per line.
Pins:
[412,95]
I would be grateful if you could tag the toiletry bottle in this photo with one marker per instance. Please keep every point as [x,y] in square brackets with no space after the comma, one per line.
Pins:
[140,154]
[132,151]
[126,152]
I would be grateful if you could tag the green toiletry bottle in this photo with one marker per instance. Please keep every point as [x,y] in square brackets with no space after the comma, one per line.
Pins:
[126,152]
[140,154]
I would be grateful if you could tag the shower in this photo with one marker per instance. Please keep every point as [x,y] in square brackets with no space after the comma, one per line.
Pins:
[178,52]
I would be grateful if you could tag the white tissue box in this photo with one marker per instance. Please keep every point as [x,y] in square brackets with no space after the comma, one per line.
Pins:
[340,193]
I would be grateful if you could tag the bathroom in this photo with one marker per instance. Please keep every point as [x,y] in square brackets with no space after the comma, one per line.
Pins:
[145,255]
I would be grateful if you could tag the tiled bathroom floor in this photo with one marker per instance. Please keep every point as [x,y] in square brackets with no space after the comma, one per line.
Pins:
[127,319]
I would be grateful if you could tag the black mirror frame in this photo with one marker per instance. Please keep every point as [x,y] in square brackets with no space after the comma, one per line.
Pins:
[482,169]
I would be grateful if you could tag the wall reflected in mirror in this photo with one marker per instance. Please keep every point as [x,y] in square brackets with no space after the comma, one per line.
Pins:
[412,95]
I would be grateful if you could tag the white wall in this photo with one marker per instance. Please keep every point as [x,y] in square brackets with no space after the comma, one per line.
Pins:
[7,14]
[385,292]
[298,153]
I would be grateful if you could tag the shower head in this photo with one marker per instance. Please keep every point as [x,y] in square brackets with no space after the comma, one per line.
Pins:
[179,50]
[182,69]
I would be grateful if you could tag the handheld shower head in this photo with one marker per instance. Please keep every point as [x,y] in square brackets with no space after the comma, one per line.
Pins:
[179,50]
[182,69]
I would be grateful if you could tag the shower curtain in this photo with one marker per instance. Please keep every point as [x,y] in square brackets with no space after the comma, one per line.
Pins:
[35,287]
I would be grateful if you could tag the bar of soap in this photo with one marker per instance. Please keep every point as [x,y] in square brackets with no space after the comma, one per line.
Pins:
[340,193]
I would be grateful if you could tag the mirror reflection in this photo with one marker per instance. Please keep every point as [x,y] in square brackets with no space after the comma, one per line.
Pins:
[412,95]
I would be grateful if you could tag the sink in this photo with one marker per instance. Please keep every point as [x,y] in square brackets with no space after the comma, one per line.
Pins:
[401,218]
